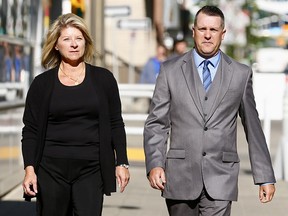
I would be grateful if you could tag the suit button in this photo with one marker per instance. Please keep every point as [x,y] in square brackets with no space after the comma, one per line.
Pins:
[204,153]
[206,98]
[205,129]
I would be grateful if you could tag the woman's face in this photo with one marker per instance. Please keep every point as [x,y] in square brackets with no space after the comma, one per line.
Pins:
[71,45]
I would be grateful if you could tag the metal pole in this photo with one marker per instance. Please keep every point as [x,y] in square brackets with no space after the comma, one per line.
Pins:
[37,51]
[97,30]
[285,133]
[115,51]
[131,72]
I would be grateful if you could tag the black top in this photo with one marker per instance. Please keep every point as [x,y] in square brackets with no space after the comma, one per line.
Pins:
[111,126]
[73,122]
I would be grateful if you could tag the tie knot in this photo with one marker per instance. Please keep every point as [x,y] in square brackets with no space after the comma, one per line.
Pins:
[206,63]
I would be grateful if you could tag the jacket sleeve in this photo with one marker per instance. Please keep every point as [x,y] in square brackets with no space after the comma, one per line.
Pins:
[157,125]
[117,125]
[30,120]
[258,151]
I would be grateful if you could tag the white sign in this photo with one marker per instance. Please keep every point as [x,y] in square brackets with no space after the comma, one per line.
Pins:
[134,24]
[271,60]
[269,91]
[117,11]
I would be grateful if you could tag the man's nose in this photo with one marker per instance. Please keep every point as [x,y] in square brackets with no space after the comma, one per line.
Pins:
[207,34]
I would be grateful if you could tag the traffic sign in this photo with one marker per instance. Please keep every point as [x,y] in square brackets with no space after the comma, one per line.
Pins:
[134,24]
[117,11]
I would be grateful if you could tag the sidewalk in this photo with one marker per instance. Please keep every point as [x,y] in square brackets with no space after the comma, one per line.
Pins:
[140,200]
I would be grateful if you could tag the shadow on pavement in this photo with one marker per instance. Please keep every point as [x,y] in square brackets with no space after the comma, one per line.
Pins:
[17,208]
[122,207]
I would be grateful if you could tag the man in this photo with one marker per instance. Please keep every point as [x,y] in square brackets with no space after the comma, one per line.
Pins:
[179,48]
[198,174]
[152,67]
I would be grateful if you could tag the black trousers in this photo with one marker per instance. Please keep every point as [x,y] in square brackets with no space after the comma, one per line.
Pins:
[69,187]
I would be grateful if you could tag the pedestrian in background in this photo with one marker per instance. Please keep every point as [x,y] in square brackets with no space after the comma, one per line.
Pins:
[179,48]
[73,139]
[196,101]
[152,67]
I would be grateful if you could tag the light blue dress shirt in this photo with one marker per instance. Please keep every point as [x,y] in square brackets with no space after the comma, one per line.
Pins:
[212,67]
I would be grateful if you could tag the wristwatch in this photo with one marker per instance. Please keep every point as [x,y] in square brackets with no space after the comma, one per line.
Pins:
[124,165]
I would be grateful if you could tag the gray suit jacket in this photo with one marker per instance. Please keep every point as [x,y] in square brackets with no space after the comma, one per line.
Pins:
[192,134]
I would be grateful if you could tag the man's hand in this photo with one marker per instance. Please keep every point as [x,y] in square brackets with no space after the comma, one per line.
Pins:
[157,178]
[266,192]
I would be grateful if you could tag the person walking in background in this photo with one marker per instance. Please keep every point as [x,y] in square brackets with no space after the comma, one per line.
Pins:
[73,139]
[196,102]
[152,67]
[8,62]
[18,62]
[179,48]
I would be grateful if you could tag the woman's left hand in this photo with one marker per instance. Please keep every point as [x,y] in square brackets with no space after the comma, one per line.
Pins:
[123,176]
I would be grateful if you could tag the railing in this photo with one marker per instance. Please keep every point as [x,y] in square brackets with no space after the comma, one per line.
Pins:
[11,90]
[131,94]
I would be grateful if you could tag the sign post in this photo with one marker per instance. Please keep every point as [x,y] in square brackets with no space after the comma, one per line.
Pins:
[133,25]
[115,12]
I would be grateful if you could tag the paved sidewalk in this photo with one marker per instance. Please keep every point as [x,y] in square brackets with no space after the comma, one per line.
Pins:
[140,200]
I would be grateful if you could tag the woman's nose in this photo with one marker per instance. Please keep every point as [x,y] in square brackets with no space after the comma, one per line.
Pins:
[74,43]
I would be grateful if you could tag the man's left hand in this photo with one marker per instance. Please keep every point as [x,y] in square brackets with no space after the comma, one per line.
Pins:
[266,192]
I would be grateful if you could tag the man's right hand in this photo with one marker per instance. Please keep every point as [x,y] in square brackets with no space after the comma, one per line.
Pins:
[157,178]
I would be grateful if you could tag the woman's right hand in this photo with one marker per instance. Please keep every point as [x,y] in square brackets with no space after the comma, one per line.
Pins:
[30,182]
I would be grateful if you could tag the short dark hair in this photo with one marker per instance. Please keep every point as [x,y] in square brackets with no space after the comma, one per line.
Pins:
[210,10]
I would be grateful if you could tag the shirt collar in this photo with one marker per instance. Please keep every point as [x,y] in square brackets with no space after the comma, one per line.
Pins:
[198,59]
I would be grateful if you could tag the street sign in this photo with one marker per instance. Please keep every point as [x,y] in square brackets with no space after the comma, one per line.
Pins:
[134,24]
[117,11]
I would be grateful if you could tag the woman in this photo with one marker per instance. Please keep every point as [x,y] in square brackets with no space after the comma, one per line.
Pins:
[73,134]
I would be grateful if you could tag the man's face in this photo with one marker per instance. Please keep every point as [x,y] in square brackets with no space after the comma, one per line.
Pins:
[208,34]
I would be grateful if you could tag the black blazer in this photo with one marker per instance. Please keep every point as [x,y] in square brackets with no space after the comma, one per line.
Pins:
[111,126]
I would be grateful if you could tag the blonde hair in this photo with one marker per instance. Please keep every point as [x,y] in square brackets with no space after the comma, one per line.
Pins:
[50,56]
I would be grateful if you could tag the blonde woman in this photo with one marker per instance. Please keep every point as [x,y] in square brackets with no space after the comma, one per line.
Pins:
[73,139]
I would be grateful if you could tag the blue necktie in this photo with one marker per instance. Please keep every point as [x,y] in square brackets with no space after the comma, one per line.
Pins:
[206,75]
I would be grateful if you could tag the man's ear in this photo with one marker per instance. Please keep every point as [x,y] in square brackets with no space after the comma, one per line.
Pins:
[193,30]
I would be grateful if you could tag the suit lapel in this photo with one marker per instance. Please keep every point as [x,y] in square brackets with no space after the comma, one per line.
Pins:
[218,88]
[220,83]
[191,75]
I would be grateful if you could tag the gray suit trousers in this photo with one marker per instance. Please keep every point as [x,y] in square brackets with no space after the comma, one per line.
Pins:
[203,206]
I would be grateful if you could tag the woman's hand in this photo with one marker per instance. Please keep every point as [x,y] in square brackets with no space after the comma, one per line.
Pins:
[122,176]
[30,182]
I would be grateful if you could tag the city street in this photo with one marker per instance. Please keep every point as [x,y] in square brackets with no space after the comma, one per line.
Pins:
[139,199]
